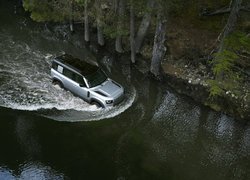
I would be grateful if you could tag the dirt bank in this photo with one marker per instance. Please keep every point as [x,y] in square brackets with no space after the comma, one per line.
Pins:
[193,83]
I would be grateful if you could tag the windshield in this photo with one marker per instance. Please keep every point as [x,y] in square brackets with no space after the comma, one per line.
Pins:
[96,78]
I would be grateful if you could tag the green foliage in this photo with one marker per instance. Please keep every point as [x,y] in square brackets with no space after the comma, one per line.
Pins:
[227,76]
[109,32]
[44,10]
[112,32]
[238,41]
[140,7]
[52,10]
[224,62]
[220,87]
[215,88]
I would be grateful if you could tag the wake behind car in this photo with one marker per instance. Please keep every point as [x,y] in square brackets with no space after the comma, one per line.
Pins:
[86,80]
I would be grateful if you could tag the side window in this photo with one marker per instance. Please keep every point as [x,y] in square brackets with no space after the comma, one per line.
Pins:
[79,80]
[60,69]
[68,73]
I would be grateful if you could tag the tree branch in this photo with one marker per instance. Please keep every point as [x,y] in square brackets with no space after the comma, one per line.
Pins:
[223,11]
[245,8]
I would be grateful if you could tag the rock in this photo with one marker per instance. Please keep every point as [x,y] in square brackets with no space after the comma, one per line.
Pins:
[196,86]
[202,67]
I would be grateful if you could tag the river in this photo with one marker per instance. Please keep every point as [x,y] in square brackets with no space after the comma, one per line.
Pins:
[47,133]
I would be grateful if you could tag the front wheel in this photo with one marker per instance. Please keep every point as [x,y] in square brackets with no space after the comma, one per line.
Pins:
[97,104]
[57,83]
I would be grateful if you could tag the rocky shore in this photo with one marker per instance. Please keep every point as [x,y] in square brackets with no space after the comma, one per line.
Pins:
[193,82]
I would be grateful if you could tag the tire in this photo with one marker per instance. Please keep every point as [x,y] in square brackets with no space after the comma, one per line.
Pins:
[58,83]
[97,104]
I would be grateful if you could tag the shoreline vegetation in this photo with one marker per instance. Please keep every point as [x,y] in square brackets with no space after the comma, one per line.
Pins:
[200,47]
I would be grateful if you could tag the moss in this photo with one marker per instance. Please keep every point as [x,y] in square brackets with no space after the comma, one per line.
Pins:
[213,105]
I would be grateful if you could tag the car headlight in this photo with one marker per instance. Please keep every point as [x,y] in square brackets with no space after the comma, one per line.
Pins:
[109,101]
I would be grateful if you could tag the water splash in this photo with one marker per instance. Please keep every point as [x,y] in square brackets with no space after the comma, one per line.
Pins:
[92,113]
[25,84]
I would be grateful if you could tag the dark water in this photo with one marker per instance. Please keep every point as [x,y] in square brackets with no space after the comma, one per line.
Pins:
[47,133]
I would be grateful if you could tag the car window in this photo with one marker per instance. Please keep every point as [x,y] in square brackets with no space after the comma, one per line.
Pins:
[79,80]
[60,69]
[68,73]
[96,78]
[54,65]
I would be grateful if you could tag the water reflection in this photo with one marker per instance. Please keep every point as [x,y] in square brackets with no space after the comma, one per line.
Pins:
[30,170]
[27,138]
[193,137]
[6,174]
[33,170]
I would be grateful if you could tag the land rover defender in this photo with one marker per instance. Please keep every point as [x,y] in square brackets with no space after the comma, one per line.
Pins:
[86,80]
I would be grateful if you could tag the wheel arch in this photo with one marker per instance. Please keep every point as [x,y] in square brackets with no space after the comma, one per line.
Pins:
[54,80]
[92,100]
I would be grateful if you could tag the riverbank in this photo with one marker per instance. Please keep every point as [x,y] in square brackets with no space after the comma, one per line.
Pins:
[187,69]
[193,82]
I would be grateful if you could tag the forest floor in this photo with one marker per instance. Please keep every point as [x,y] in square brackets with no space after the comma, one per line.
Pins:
[187,69]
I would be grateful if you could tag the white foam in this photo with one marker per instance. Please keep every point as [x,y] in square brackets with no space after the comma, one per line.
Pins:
[114,112]
[26,85]
[35,107]
[92,113]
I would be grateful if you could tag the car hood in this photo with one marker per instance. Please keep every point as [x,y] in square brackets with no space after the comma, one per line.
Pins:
[109,88]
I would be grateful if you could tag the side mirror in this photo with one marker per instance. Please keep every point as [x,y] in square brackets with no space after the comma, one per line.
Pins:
[81,85]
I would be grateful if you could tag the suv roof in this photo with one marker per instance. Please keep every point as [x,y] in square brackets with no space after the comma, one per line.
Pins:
[81,66]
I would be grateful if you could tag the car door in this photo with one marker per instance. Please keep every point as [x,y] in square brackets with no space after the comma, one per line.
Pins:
[74,83]
[81,89]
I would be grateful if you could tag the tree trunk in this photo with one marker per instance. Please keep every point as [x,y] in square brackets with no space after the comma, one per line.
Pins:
[132,32]
[71,17]
[100,37]
[159,48]
[231,22]
[86,21]
[144,26]
[115,5]
[121,11]
[118,44]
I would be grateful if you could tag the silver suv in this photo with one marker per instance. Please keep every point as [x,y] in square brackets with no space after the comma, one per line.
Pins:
[86,80]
